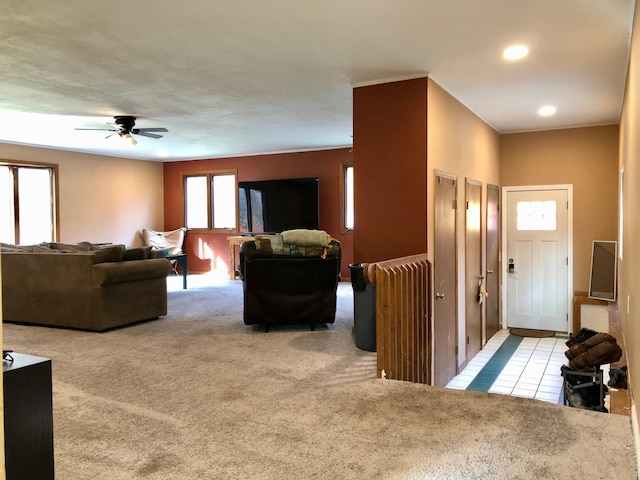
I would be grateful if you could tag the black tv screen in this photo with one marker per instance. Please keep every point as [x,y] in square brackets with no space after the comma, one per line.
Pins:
[272,206]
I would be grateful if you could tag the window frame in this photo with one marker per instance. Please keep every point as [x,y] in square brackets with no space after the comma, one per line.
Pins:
[14,165]
[343,198]
[209,174]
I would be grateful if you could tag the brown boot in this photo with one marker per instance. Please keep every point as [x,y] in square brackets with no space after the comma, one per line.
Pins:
[579,348]
[598,338]
[575,351]
[604,352]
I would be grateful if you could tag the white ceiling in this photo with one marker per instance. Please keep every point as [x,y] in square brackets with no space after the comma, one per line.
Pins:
[250,76]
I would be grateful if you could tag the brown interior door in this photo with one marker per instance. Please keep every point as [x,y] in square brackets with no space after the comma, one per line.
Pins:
[492,281]
[445,280]
[473,268]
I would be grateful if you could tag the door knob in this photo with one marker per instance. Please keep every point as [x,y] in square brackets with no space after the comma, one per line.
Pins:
[439,296]
[489,272]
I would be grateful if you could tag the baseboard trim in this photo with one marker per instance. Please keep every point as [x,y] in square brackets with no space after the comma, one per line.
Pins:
[636,433]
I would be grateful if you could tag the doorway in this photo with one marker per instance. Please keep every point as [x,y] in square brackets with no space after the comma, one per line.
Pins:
[537,257]
[445,280]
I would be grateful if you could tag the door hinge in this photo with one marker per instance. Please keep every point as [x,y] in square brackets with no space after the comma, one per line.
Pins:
[467,205]
[456,350]
[455,204]
[567,261]
[439,179]
[467,340]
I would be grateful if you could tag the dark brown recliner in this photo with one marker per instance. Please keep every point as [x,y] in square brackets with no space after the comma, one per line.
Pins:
[289,289]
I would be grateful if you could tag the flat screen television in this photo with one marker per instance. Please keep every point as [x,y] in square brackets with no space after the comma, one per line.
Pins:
[272,206]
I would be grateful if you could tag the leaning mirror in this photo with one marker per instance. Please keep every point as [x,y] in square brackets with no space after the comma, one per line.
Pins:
[602,280]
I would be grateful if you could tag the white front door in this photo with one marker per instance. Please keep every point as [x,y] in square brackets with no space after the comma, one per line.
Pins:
[536,262]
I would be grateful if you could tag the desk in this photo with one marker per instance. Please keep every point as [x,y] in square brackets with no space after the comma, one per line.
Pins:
[28,418]
[181,258]
[233,241]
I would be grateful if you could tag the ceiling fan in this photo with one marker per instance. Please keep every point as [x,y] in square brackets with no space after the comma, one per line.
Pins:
[123,126]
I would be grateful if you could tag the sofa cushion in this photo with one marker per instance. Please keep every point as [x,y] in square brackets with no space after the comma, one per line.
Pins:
[109,254]
[138,253]
[7,247]
[71,247]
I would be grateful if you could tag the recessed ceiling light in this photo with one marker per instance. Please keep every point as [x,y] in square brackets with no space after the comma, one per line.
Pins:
[547,110]
[515,52]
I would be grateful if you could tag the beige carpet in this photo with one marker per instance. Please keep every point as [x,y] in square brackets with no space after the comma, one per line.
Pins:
[199,395]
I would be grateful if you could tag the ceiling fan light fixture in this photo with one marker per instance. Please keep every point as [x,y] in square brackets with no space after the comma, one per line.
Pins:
[129,137]
[515,52]
[547,111]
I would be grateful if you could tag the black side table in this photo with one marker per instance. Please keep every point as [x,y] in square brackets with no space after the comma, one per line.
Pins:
[28,417]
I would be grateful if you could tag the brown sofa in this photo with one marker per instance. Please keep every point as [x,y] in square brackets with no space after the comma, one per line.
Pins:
[82,286]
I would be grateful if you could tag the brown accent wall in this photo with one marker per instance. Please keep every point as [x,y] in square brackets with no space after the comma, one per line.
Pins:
[390,164]
[211,251]
[629,265]
[587,158]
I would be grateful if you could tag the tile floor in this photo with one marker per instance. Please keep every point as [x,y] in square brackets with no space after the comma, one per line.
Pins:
[523,367]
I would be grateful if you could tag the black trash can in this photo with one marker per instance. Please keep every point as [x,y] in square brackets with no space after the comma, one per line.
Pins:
[364,309]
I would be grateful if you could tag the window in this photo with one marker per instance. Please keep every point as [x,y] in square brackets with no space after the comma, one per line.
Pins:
[210,200]
[251,210]
[536,215]
[28,203]
[347,206]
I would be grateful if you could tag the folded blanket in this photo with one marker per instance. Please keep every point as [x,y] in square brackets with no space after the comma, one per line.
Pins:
[306,238]
[275,245]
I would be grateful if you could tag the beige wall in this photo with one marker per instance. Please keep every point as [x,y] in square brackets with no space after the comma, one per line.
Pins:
[587,158]
[459,143]
[102,199]
[629,273]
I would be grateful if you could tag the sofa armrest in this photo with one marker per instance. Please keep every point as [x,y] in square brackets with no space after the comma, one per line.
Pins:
[120,272]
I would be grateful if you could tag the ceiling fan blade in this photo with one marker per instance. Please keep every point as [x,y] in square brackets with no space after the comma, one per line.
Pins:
[152,129]
[146,134]
[103,129]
